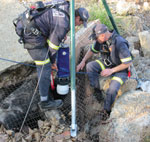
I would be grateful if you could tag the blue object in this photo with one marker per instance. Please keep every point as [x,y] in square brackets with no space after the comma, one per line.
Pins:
[63,62]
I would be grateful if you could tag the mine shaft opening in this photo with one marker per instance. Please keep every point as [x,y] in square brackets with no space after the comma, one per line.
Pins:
[18,89]
[15,100]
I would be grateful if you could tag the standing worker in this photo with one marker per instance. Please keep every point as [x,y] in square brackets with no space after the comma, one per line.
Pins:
[42,39]
[115,61]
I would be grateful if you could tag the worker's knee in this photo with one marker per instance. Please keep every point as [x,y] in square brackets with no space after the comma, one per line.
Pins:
[89,67]
[92,67]
[44,71]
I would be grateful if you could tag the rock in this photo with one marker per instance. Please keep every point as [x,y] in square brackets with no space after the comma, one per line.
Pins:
[145,86]
[10,133]
[3,137]
[81,136]
[146,6]
[53,129]
[135,53]
[60,130]
[145,42]
[129,118]
[53,114]
[132,41]
[28,138]
[31,132]
[125,8]
[23,140]
[18,137]
[146,74]
[40,124]
[69,141]
[37,136]
[131,25]
[47,123]
[142,67]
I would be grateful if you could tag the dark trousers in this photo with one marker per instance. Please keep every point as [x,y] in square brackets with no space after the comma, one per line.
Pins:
[43,70]
[93,69]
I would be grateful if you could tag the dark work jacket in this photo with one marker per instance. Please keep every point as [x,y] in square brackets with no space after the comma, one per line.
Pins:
[54,25]
[120,49]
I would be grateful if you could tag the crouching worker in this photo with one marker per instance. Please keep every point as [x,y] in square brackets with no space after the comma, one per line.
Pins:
[114,61]
[42,38]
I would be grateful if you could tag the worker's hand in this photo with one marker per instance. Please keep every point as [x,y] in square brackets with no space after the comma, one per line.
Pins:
[80,66]
[54,67]
[106,72]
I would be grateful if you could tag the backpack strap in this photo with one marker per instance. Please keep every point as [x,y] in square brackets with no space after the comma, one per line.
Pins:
[56,6]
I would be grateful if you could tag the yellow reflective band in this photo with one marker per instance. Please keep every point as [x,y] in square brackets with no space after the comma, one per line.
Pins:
[94,49]
[126,59]
[53,46]
[118,79]
[101,64]
[42,62]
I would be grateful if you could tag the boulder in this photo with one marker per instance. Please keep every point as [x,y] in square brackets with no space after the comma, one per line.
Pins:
[146,6]
[133,42]
[145,86]
[142,67]
[129,120]
[126,8]
[131,25]
[135,53]
[145,42]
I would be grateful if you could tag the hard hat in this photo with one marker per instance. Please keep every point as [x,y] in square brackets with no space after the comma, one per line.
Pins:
[84,15]
[62,89]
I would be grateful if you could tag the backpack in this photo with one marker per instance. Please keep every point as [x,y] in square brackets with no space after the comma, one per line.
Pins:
[25,19]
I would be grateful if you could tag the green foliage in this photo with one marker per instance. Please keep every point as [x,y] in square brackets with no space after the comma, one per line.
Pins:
[147,139]
[97,11]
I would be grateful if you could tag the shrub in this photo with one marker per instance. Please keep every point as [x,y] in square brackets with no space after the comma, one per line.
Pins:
[97,11]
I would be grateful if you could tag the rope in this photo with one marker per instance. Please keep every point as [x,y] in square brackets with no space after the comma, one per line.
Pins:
[17,62]
[33,95]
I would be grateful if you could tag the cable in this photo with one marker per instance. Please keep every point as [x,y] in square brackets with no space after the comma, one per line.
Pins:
[33,94]
[17,62]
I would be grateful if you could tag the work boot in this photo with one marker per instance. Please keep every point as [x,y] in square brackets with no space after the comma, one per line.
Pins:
[98,94]
[51,104]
